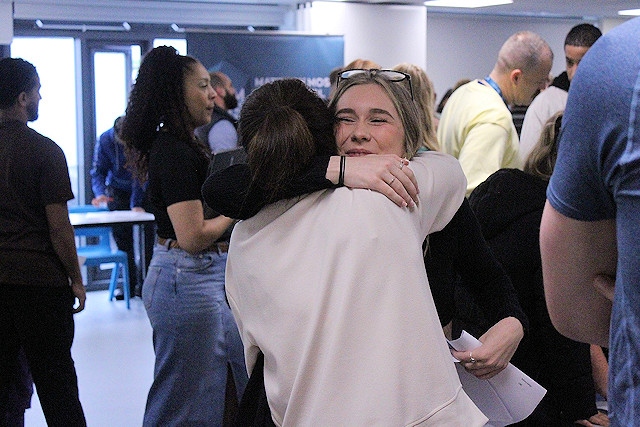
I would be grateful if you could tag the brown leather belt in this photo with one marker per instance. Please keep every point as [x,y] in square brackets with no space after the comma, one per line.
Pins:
[220,247]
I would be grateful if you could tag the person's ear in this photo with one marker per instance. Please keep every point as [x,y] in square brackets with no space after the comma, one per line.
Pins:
[23,98]
[515,76]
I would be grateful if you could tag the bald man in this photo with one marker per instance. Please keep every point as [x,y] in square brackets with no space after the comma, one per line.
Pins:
[476,125]
[553,99]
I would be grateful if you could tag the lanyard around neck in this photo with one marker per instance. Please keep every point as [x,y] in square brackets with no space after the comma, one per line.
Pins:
[495,86]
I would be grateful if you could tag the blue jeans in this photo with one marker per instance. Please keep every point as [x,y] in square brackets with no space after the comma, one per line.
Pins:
[194,337]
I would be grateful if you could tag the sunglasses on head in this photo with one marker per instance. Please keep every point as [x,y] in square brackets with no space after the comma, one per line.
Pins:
[389,75]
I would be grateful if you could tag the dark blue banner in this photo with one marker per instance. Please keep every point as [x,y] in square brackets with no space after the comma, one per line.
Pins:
[252,59]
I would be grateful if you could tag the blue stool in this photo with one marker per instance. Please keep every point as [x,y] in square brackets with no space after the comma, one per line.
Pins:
[101,253]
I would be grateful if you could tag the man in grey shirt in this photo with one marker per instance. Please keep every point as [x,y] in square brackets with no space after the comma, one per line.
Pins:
[220,134]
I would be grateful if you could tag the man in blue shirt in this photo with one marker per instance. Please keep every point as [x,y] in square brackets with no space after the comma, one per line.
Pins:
[590,230]
[114,187]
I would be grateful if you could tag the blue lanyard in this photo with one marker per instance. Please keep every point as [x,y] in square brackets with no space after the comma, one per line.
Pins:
[495,86]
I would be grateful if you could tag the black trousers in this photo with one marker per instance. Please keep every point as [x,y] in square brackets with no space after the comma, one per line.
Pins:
[253,410]
[40,321]
[20,391]
[123,235]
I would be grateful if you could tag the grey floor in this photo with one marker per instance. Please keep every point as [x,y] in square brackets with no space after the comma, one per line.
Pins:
[114,358]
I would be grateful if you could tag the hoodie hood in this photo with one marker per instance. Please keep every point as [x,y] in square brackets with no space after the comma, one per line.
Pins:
[562,81]
[508,196]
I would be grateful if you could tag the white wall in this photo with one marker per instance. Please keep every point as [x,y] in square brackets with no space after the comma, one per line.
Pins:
[447,46]
[610,23]
[6,22]
[385,34]
[464,46]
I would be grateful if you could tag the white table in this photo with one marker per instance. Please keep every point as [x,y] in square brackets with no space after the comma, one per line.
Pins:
[109,218]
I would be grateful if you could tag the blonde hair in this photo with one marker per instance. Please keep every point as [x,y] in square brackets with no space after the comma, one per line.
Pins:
[425,98]
[400,96]
[542,158]
[360,63]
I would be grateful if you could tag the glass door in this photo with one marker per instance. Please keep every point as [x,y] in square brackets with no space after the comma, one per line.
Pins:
[112,67]
[54,58]
[110,86]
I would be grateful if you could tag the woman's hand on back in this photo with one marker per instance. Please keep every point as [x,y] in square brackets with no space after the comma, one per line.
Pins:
[385,173]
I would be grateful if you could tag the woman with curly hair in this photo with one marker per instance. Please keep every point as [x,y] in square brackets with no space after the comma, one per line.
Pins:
[194,334]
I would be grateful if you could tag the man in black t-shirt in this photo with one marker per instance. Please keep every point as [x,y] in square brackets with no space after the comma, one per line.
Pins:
[39,272]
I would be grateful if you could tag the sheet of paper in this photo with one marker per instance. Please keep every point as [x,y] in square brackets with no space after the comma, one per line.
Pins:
[507,398]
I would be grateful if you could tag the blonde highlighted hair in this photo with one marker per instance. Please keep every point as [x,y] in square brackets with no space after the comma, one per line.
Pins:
[400,96]
[542,158]
[425,97]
